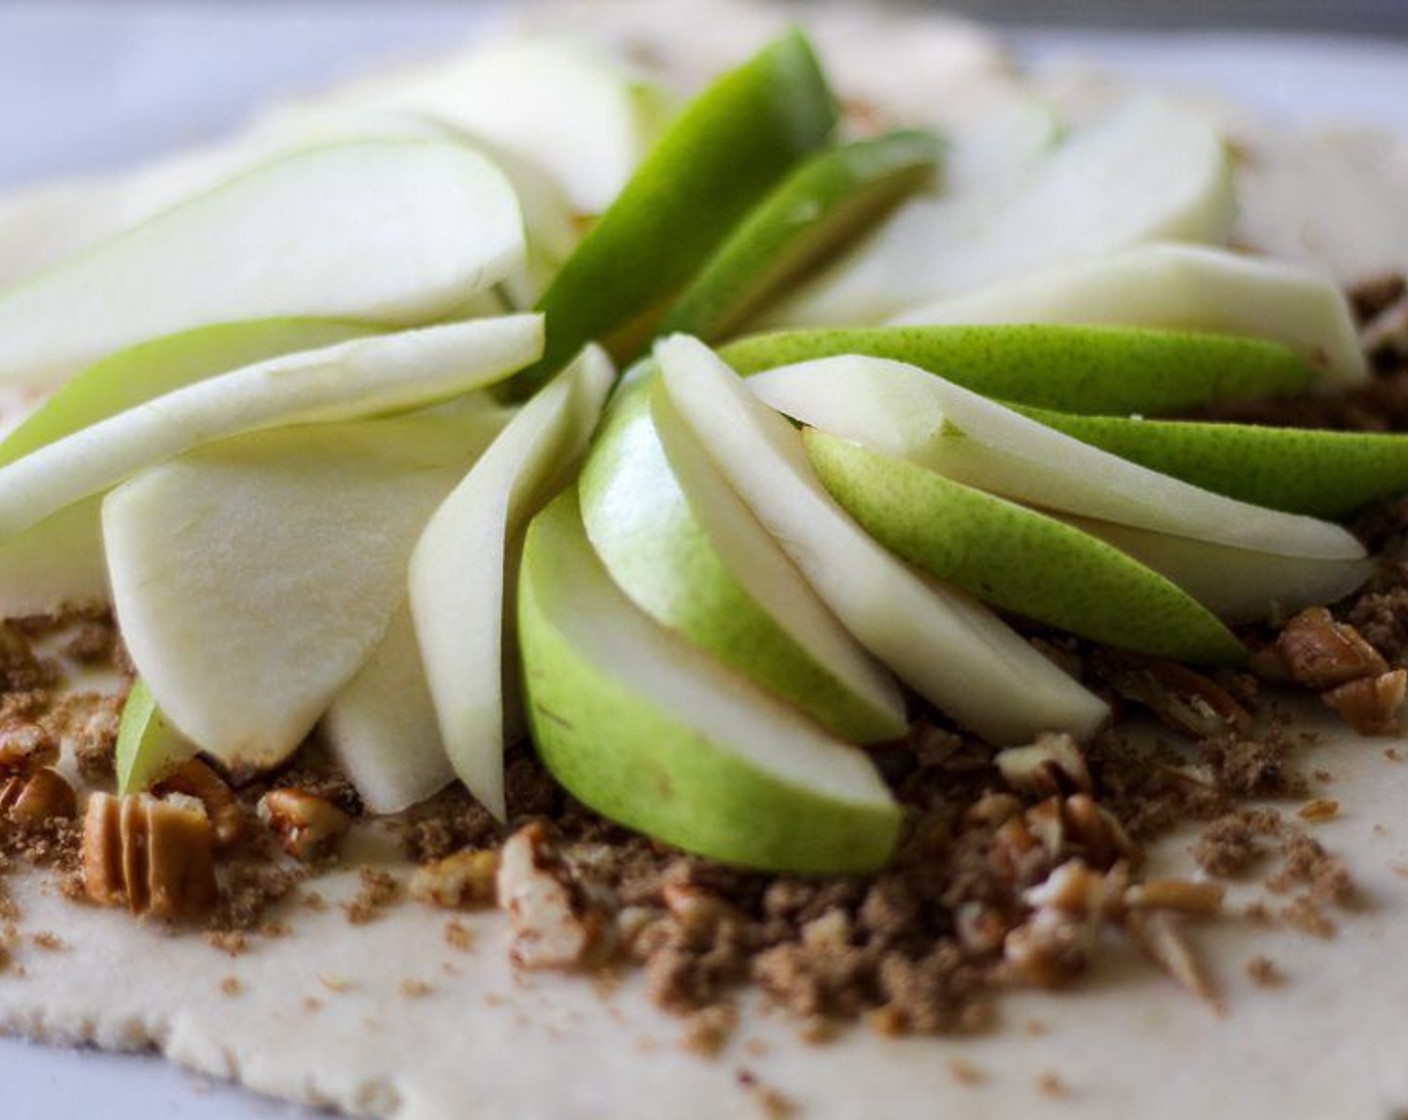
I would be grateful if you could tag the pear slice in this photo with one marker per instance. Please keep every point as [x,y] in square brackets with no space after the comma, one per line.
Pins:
[947,646]
[463,567]
[906,412]
[381,727]
[1148,172]
[731,145]
[1115,370]
[1178,287]
[147,746]
[1016,558]
[1300,470]
[253,577]
[55,565]
[825,201]
[688,552]
[355,231]
[149,369]
[1237,584]
[357,378]
[651,732]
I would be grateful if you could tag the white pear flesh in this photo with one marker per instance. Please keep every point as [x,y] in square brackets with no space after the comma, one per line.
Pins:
[566,105]
[352,379]
[354,231]
[463,571]
[381,728]
[1147,172]
[946,645]
[653,733]
[1238,585]
[687,550]
[252,578]
[901,410]
[55,565]
[1182,288]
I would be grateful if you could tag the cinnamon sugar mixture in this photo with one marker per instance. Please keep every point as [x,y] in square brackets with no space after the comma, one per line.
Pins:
[1013,868]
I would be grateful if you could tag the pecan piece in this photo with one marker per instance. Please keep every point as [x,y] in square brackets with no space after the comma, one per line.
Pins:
[156,857]
[31,799]
[1053,764]
[1180,698]
[1321,653]
[308,828]
[1370,705]
[195,778]
[26,746]
[460,881]
[553,925]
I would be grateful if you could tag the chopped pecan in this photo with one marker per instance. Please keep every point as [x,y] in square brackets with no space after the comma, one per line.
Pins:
[1050,949]
[1161,938]
[25,747]
[308,828]
[1053,764]
[1321,653]
[31,799]
[460,881]
[552,925]
[1179,697]
[156,857]
[1183,896]
[1097,832]
[196,779]
[1370,705]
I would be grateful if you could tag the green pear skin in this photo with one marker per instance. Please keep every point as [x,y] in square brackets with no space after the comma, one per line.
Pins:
[1298,470]
[652,733]
[147,746]
[1017,558]
[1096,370]
[724,152]
[829,198]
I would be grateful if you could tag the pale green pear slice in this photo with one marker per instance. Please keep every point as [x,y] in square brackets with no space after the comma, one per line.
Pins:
[947,646]
[358,378]
[1237,584]
[147,745]
[381,728]
[825,201]
[149,369]
[54,565]
[906,412]
[687,551]
[463,569]
[566,105]
[651,732]
[1148,172]
[1177,287]
[353,231]
[1116,370]
[1016,558]
[1300,470]
[253,577]
[731,145]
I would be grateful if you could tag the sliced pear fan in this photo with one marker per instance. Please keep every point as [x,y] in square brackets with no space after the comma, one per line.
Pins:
[354,231]
[253,577]
[358,378]
[651,732]
[461,573]
[943,643]
[688,552]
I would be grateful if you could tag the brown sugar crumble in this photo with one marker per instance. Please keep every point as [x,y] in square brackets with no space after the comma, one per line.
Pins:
[377,890]
[1265,973]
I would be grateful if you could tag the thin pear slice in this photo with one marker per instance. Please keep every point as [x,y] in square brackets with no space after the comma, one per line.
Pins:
[55,565]
[147,745]
[566,105]
[151,369]
[689,553]
[463,568]
[1116,370]
[1148,172]
[731,145]
[1238,585]
[1016,558]
[357,378]
[827,200]
[903,411]
[381,727]
[947,646]
[355,231]
[1177,287]
[651,732]
[253,577]
[1299,470]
